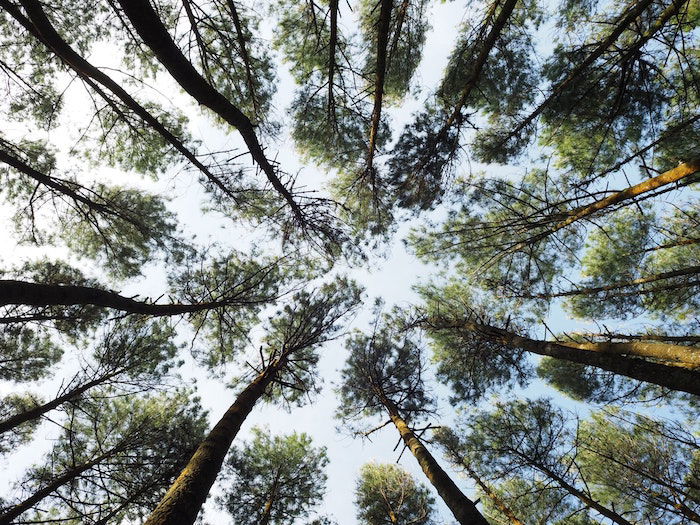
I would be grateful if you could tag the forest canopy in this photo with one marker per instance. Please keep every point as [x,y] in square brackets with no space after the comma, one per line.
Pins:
[373,262]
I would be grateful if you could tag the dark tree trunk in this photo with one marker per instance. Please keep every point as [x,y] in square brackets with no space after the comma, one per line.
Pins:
[185,497]
[155,35]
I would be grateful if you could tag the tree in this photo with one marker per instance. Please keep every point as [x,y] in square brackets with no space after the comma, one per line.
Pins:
[388,494]
[273,479]
[157,216]
[526,439]
[286,374]
[383,376]
[111,461]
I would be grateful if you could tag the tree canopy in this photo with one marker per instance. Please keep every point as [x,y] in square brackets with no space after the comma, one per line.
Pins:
[375,261]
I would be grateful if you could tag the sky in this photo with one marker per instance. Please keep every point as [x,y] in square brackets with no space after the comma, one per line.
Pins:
[391,277]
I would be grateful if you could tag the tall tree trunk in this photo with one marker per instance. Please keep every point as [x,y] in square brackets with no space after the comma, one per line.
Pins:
[29,415]
[636,10]
[497,501]
[155,35]
[672,176]
[41,28]
[589,502]
[383,28]
[271,497]
[479,63]
[332,44]
[185,497]
[665,375]
[643,337]
[691,270]
[464,510]
[13,512]
[38,294]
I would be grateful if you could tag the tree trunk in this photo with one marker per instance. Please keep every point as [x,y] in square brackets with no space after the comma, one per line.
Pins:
[383,28]
[671,176]
[691,270]
[636,10]
[13,512]
[643,337]
[42,29]
[610,514]
[185,497]
[498,502]
[37,294]
[271,497]
[665,375]
[29,415]
[155,35]
[464,510]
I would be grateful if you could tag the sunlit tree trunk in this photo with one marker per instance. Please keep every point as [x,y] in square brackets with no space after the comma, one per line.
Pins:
[464,509]
[497,501]
[673,375]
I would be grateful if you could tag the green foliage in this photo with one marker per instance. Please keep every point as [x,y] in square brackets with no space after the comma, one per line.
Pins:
[281,478]
[237,287]
[299,328]
[642,465]
[10,405]
[387,494]
[26,354]
[136,446]
[385,367]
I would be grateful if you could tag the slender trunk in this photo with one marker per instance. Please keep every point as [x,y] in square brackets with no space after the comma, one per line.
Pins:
[637,8]
[185,497]
[267,510]
[155,35]
[671,176]
[665,375]
[332,43]
[13,512]
[29,415]
[589,502]
[497,501]
[383,27]
[672,244]
[244,55]
[37,294]
[63,187]
[470,83]
[479,63]
[40,27]
[691,270]
[464,510]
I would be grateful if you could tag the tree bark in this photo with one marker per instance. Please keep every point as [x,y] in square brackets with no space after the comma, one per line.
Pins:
[464,510]
[665,375]
[383,27]
[155,35]
[38,294]
[267,510]
[29,415]
[13,512]
[637,8]
[185,497]
[671,176]
[589,502]
[497,501]
[41,28]
[691,270]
